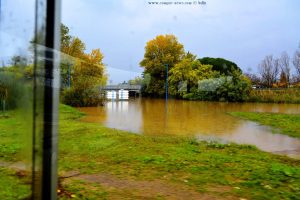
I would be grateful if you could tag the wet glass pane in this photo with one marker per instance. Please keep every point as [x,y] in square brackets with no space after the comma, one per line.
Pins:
[16,98]
[29,80]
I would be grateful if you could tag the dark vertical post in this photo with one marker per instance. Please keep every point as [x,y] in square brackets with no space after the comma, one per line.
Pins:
[167,71]
[69,75]
[51,101]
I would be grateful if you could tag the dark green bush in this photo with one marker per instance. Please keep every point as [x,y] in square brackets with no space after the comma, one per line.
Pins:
[234,88]
[82,97]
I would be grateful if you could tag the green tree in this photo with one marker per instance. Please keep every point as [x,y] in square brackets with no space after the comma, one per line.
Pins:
[233,88]
[136,81]
[236,88]
[184,76]
[221,65]
[65,37]
[161,52]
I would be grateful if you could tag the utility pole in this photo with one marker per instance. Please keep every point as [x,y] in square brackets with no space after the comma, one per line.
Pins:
[167,71]
[69,75]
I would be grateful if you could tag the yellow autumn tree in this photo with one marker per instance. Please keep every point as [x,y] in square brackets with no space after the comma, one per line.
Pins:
[161,53]
[90,69]
[89,74]
[85,71]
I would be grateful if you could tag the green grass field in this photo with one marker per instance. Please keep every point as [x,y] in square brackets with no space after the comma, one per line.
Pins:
[96,162]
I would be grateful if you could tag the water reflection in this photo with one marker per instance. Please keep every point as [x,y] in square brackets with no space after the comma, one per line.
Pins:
[201,119]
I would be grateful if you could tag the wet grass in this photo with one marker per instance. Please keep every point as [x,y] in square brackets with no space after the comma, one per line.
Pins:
[10,133]
[288,124]
[12,185]
[243,170]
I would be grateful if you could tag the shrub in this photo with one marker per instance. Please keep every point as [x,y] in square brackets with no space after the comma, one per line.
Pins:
[82,97]
[11,90]
[234,88]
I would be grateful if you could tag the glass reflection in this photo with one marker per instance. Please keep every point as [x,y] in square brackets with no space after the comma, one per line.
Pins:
[16,98]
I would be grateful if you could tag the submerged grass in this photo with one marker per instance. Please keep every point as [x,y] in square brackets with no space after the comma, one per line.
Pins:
[89,148]
[288,124]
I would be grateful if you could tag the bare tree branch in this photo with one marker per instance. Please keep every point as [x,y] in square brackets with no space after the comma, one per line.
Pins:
[296,62]
[269,70]
[285,66]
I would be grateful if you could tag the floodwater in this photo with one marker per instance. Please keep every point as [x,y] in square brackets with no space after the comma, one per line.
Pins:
[204,120]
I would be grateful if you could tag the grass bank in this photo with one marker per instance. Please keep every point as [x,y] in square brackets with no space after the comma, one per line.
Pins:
[288,124]
[104,163]
[291,95]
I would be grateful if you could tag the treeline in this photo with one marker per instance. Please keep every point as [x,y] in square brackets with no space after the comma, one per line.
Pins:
[169,68]
[273,72]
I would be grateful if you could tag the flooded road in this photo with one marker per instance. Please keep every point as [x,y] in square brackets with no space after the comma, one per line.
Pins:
[204,120]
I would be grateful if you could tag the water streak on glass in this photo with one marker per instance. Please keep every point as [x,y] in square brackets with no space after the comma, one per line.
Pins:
[16,97]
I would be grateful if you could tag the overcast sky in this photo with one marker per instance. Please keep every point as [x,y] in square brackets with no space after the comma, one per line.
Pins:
[239,30]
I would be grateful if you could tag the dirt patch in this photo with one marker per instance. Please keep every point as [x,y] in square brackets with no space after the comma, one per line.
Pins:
[14,165]
[219,188]
[156,189]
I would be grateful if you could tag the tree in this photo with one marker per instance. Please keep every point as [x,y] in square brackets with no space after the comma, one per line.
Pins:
[233,88]
[87,71]
[269,69]
[285,67]
[296,62]
[91,68]
[19,60]
[75,48]
[136,81]
[184,76]
[255,80]
[162,52]
[283,81]
[221,65]
[65,38]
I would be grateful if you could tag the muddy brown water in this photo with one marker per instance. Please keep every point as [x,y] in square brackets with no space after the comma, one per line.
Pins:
[204,120]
